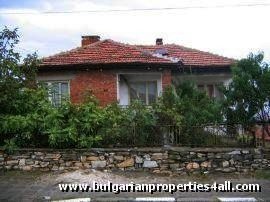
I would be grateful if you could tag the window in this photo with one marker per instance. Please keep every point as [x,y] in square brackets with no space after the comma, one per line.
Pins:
[210,89]
[58,92]
[145,91]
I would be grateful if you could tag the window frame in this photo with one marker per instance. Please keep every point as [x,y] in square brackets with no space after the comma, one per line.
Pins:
[146,90]
[215,94]
[59,82]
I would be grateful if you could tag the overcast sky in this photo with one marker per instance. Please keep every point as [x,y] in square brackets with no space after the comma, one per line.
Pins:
[224,28]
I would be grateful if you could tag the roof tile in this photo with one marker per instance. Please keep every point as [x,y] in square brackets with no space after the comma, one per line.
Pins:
[108,51]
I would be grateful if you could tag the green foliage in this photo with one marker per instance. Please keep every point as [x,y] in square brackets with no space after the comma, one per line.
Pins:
[189,109]
[75,125]
[168,108]
[197,136]
[185,105]
[197,108]
[244,139]
[14,76]
[133,125]
[10,146]
[248,95]
[28,126]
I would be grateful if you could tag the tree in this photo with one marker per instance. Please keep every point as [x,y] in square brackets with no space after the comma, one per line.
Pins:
[188,109]
[248,95]
[22,105]
[14,76]
[185,105]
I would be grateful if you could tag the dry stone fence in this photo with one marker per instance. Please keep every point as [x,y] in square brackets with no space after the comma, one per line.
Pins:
[178,160]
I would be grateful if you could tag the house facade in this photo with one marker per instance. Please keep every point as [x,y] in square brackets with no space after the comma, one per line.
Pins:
[117,72]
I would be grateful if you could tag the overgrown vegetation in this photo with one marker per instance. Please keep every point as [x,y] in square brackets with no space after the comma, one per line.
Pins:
[247,100]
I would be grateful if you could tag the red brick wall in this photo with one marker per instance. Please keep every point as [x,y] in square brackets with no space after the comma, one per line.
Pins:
[166,78]
[102,84]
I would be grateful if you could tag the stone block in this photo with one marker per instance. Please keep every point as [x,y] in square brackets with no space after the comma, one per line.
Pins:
[210,155]
[147,157]
[86,165]
[22,162]
[225,164]
[157,156]
[235,152]
[206,164]
[29,162]
[78,164]
[26,168]
[119,158]
[83,158]
[127,163]
[12,162]
[102,158]
[174,166]
[150,164]
[192,165]
[92,158]
[44,164]
[98,164]
[55,168]
[228,170]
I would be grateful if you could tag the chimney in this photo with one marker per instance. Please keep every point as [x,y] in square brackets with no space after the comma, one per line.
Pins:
[86,40]
[159,41]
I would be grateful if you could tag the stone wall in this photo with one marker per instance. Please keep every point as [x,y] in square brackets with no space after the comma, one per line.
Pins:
[181,160]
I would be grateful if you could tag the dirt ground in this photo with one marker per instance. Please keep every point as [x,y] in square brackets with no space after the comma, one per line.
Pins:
[37,186]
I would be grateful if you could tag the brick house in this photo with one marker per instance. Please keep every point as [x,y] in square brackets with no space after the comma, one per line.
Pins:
[117,72]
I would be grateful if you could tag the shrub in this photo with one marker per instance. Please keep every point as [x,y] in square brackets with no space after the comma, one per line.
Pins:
[75,125]
[10,146]
[133,125]
[27,125]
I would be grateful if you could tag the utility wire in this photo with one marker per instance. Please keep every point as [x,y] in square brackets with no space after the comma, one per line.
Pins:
[134,9]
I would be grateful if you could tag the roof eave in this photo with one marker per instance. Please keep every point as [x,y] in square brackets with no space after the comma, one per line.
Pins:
[104,65]
[198,69]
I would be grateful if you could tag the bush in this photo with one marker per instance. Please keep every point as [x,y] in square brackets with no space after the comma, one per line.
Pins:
[27,126]
[38,124]
[75,125]
[133,125]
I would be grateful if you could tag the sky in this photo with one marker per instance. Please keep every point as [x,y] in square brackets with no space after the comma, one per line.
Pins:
[221,26]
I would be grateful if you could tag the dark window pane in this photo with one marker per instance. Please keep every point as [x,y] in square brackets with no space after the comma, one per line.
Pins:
[210,90]
[64,91]
[55,94]
[144,91]
[141,89]
[152,92]
[138,91]
[58,92]
[201,88]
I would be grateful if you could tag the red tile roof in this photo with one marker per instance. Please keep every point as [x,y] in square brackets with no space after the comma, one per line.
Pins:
[108,51]
[103,52]
[190,56]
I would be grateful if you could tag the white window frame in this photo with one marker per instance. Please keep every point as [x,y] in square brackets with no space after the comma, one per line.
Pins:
[51,82]
[146,90]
